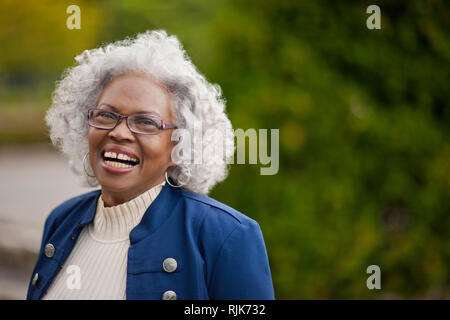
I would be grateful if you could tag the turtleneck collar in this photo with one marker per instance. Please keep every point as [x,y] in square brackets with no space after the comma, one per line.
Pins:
[112,224]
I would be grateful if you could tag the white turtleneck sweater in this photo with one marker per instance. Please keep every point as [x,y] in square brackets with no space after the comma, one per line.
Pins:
[97,266]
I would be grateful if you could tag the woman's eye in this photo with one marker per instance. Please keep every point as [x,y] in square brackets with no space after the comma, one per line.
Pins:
[146,122]
[107,115]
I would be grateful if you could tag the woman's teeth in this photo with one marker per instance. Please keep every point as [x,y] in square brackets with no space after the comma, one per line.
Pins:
[117,164]
[121,156]
[119,160]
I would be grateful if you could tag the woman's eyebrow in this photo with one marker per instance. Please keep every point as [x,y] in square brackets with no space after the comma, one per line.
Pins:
[108,105]
[148,112]
[139,112]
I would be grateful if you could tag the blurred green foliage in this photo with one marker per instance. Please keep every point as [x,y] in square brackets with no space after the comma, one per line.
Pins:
[363,116]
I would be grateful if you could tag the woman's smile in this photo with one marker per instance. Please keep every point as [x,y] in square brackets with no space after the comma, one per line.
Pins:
[118,160]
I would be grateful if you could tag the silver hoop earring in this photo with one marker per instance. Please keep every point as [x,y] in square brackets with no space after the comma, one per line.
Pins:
[172,185]
[84,166]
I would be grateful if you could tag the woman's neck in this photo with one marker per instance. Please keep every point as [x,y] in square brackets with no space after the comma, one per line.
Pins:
[113,198]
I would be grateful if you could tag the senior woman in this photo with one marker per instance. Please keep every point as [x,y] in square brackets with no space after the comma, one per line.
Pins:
[150,231]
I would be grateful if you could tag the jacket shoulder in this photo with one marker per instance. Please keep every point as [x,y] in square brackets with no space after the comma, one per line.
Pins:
[218,207]
[217,219]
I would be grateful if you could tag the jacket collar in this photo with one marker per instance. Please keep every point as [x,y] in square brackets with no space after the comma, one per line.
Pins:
[89,214]
[155,215]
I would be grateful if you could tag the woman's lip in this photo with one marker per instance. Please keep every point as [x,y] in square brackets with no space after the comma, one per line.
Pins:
[115,170]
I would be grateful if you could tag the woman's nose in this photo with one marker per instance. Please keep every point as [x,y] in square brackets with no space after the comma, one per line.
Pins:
[121,131]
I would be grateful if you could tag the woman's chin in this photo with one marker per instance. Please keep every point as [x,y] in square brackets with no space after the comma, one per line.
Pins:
[115,184]
[114,189]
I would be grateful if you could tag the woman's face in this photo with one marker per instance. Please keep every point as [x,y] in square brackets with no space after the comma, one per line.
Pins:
[129,94]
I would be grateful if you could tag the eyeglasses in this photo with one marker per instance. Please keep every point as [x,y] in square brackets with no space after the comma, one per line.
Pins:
[137,123]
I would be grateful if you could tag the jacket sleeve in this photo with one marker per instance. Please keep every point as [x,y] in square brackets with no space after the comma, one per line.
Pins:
[241,270]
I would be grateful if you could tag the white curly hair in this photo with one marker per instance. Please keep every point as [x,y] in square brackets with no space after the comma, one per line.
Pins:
[195,101]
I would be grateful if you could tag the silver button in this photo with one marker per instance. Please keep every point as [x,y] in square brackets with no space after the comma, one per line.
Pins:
[35,279]
[49,250]
[169,295]
[170,265]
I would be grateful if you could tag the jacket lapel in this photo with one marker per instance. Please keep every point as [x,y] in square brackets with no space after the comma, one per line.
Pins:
[155,215]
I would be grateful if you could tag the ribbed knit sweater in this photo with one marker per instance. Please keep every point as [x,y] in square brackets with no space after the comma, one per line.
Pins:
[97,266]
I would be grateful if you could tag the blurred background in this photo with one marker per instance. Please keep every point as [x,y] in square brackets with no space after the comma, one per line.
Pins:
[364,116]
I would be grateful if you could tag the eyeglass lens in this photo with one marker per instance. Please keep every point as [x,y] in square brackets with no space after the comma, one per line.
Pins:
[139,123]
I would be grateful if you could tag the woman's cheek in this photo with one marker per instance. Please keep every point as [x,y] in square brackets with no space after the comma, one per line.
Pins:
[91,137]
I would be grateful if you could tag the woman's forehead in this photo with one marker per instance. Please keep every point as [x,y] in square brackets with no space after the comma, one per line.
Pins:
[135,93]
[145,110]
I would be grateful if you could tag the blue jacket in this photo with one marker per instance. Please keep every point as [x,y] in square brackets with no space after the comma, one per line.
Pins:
[220,252]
